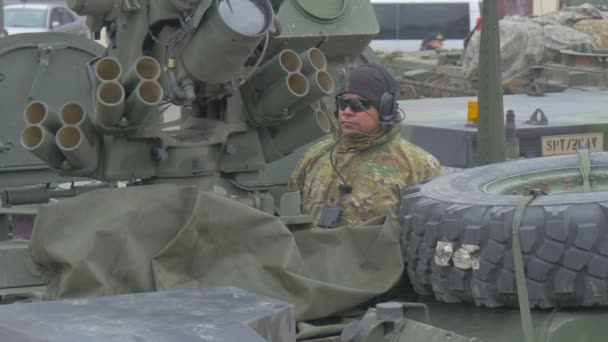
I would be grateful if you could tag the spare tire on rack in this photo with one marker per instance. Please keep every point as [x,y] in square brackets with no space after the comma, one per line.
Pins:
[456,234]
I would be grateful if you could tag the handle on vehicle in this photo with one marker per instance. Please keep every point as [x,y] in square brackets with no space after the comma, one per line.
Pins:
[535,120]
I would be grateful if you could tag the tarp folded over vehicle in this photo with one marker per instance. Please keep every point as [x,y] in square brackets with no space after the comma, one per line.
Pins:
[525,42]
[161,237]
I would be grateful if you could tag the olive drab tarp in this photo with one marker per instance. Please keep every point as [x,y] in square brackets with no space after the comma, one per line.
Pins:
[154,238]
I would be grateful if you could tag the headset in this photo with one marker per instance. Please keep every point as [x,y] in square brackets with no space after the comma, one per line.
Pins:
[388,106]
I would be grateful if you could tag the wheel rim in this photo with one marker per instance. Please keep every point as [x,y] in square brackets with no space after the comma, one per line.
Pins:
[550,182]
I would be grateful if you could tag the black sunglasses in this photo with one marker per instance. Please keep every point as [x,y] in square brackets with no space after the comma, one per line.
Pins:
[357,104]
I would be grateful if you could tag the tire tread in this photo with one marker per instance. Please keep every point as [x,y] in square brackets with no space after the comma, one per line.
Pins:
[565,250]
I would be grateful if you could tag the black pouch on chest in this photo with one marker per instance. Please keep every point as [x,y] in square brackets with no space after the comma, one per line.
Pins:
[330,216]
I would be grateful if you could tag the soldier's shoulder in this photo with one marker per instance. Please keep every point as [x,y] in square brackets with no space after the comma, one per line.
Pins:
[308,160]
[408,147]
[416,153]
[320,147]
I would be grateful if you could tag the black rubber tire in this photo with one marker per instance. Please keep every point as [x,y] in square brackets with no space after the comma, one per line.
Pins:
[564,238]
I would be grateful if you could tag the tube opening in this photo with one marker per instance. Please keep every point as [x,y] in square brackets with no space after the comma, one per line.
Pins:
[108,69]
[148,68]
[298,84]
[325,82]
[72,113]
[111,93]
[246,17]
[150,92]
[31,137]
[68,137]
[317,59]
[35,112]
[290,61]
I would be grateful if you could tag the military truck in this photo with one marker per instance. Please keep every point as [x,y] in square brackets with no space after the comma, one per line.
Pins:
[559,50]
[169,214]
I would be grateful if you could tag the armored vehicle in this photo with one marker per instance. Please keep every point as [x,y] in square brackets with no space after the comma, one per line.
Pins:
[184,229]
[558,50]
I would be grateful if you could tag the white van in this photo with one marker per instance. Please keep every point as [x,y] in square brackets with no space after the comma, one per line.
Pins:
[404,23]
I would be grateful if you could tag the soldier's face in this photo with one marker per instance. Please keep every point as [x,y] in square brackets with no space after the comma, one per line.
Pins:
[435,44]
[357,119]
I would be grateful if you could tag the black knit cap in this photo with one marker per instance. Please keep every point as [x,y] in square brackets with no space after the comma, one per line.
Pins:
[370,81]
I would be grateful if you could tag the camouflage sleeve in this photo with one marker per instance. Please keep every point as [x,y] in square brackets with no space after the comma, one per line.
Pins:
[423,165]
[296,180]
[298,175]
[433,167]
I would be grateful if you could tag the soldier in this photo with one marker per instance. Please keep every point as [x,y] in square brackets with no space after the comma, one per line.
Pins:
[432,41]
[363,170]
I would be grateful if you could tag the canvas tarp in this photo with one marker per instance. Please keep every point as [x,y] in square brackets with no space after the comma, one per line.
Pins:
[152,238]
[526,42]
[597,29]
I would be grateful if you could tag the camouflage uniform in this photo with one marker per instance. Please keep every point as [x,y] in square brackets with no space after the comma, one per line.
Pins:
[597,29]
[378,170]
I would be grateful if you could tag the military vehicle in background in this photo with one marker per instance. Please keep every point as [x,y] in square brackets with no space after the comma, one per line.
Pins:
[598,3]
[175,211]
[549,53]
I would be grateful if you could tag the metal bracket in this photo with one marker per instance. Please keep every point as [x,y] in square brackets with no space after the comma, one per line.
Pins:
[394,311]
[5,146]
[45,51]
[130,5]
[290,209]
[535,120]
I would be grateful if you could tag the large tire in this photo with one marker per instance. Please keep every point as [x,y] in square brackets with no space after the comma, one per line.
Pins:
[564,238]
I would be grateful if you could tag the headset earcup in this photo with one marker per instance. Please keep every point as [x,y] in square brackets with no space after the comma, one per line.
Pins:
[388,108]
[337,107]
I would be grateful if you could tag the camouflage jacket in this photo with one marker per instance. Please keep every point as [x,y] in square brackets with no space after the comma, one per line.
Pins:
[378,170]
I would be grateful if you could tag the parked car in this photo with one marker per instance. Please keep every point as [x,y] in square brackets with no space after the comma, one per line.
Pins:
[43,17]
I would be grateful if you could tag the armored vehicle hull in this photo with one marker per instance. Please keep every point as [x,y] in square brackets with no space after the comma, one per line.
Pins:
[192,204]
